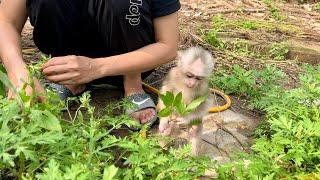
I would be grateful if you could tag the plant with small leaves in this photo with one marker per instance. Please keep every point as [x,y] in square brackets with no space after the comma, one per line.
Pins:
[174,104]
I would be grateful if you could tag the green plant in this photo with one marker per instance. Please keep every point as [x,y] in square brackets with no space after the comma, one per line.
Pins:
[174,104]
[274,10]
[35,69]
[241,82]
[287,142]
[252,84]
[212,38]
[37,143]
[278,51]
[317,6]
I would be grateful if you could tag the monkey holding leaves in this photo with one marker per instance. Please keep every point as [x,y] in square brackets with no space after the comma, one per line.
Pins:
[191,77]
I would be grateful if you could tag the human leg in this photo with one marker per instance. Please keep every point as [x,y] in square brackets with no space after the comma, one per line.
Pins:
[61,28]
[126,35]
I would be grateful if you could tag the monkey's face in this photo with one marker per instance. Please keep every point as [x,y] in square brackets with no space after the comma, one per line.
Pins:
[194,74]
[191,80]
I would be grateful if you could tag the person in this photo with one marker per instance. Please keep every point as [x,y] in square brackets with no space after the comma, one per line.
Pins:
[116,41]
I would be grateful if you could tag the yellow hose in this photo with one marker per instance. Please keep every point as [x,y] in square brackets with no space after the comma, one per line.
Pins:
[215,109]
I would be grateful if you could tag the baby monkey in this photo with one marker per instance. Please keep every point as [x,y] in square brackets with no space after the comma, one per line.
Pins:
[191,77]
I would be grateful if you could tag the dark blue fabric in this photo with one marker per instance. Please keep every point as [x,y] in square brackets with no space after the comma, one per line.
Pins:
[164,7]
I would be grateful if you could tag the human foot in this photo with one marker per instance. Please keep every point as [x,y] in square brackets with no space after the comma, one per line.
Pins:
[76,89]
[65,91]
[146,112]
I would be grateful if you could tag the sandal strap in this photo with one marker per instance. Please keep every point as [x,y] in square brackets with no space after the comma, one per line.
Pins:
[61,90]
[140,101]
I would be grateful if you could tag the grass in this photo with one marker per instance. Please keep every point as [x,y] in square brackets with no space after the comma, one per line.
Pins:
[221,23]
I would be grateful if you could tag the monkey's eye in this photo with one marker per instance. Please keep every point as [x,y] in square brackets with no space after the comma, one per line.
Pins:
[189,75]
[199,78]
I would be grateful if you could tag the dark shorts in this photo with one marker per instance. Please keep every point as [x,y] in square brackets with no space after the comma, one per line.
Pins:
[95,28]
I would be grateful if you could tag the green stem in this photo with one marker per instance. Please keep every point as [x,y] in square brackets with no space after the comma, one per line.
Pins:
[21,165]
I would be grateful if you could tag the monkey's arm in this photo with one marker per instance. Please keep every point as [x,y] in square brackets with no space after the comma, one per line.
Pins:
[148,57]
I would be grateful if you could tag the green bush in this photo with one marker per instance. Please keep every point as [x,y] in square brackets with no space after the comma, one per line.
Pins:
[36,143]
[288,141]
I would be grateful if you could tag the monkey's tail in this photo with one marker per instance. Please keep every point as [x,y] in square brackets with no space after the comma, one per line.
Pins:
[211,110]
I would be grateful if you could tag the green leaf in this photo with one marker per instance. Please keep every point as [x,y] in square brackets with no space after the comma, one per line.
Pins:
[46,120]
[178,100]
[167,98]
[6,82]
[52,171]
[2,86]
[181,109]
[165,112]
[195,122]
[109,172]
[194,104]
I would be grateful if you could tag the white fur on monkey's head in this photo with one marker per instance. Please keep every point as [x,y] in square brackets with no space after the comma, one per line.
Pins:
[190,55]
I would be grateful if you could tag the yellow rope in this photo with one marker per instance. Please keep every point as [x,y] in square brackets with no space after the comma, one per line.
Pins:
[215,109]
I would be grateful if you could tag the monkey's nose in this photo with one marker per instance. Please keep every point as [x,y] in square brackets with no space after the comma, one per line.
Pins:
[190,85]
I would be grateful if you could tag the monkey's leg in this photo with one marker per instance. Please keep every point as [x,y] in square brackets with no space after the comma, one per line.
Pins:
[195,132]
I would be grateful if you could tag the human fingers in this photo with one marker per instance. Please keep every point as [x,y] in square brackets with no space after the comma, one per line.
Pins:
[55,61]
[55,70]
[68,76]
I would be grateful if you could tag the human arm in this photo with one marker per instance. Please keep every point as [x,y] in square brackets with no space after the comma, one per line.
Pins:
[148,57]
[11,25]
[80,70]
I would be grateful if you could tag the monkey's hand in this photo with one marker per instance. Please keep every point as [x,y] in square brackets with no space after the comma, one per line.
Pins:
[165,127]
[182,121]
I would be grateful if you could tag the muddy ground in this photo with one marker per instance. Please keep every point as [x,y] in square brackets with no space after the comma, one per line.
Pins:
[303,34]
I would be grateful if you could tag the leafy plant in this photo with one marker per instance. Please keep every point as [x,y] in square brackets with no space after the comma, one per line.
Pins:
[37,143]
[175,105]
[212,38]
[35,69]
[252,84]
[287,143]
[274,10]
[278,51]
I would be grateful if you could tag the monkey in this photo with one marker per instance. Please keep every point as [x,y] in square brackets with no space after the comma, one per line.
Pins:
[191,77]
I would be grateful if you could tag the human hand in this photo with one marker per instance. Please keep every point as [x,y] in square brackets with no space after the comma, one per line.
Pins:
[70,70]
[18,80]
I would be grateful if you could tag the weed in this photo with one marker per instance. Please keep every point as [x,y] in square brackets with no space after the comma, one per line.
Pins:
[317,6]
[278,51]
[35,142]
[35,69]
[274,10]
[212,38]
[220,23]
[287,143]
